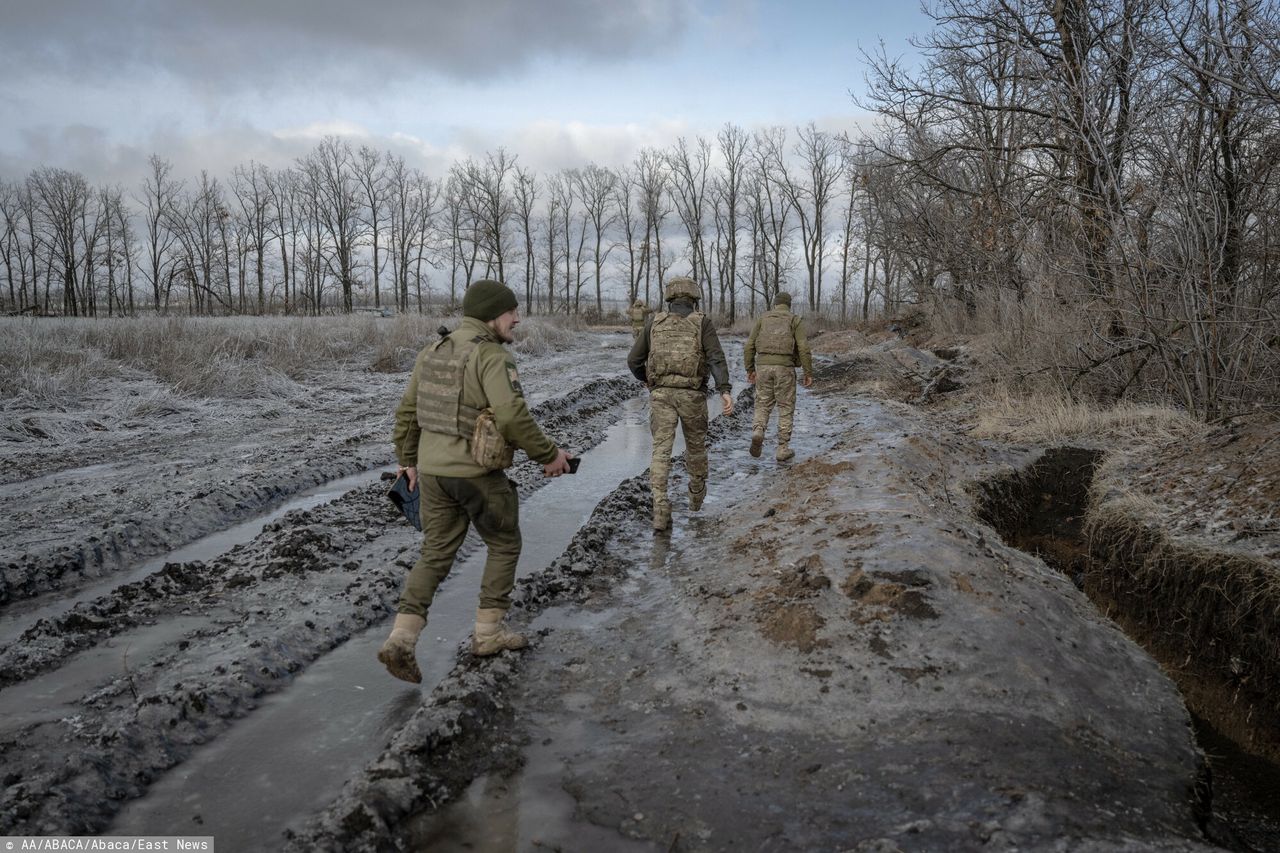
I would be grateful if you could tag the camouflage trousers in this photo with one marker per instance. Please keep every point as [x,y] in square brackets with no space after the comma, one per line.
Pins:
[449,506]
[636,330]
[775,384]
[688,408]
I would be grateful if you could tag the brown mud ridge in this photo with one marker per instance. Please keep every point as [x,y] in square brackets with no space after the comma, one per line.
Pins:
[833,654]
[231,630]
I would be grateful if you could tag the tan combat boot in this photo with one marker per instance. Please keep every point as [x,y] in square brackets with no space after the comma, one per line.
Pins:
[784,452]
[396,653]
[492,635]
[697,492]
[757,442]
[661,516]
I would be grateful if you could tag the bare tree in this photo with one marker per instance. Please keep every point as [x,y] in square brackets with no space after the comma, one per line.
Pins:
[159,192]
[525,197]
[652,178]
[369,172]
[688,169]
[251,187]
[597,186]
[733,142]
[331,171]
[626,192]
[62,201]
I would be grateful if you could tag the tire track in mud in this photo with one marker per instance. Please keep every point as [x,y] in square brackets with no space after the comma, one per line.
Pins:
[458,733]
[191,510]
[302,587]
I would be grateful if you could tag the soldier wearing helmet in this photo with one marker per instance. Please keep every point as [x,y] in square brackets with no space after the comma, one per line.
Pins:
[776,347]
[637,314]
[674,355]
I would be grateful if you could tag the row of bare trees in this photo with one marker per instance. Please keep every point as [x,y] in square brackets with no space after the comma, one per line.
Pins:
[745,214]
[1117,158]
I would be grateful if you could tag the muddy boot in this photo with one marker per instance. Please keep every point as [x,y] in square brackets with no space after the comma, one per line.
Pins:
[784,452]
[396,653]
[757,442]
[697,492]
[492,635]
[661,516]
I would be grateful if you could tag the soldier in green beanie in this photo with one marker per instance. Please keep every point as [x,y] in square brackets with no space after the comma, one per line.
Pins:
[456,428]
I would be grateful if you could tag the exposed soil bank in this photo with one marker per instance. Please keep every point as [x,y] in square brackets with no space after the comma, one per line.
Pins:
[1210,618]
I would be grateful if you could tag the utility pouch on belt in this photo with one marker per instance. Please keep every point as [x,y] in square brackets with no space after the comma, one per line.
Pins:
[488,448]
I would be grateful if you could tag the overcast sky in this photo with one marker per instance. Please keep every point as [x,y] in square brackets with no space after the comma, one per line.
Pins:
[98,85]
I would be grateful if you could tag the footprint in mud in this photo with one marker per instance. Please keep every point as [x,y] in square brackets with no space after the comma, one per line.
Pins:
[781,610]
[888,594]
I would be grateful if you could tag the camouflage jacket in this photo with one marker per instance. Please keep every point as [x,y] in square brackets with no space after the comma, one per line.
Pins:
[489,380]
[714,364]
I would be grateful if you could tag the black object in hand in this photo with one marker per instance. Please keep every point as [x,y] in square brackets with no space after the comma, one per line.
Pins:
[573,464]
[406,500]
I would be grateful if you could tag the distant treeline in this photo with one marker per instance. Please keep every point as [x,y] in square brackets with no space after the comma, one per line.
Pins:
[1093,180]
[744,214]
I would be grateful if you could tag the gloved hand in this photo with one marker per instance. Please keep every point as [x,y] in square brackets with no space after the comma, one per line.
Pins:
[727,401]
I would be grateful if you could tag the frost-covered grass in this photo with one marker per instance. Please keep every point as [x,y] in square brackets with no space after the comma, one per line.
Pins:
[53,362]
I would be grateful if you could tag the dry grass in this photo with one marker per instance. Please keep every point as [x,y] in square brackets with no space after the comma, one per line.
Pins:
[53,362]
[1048,417]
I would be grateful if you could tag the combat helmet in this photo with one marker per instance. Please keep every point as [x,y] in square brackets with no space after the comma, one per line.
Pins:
[682,286]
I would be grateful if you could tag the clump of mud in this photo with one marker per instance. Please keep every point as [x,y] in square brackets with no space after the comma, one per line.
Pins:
[783,610]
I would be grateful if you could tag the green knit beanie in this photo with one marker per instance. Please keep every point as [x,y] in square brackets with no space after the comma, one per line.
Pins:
[487,299]
[783,298]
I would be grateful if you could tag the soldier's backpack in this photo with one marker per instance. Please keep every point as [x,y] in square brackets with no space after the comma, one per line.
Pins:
[776,337]
[675,350]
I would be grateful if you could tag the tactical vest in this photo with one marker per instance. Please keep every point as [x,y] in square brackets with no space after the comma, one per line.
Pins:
[440,406]
[636,313]
[675,350]
[776,337]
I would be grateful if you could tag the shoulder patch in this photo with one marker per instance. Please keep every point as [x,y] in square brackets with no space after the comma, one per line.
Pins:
[513,377]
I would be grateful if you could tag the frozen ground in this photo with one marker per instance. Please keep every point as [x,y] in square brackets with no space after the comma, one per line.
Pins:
[832,654]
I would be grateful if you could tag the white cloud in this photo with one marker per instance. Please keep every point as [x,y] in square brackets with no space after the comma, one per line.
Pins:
[318,130]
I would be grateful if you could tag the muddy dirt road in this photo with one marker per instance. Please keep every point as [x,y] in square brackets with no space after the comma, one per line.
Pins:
[832,654]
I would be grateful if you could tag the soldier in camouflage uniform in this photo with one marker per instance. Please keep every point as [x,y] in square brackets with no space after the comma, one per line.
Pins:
[465,377]
[673,356]
[778,345]
[637,313]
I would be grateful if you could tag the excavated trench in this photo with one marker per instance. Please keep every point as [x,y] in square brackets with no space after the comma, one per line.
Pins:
[1045,509]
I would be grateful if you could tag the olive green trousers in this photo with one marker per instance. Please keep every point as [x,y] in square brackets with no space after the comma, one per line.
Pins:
[449,506]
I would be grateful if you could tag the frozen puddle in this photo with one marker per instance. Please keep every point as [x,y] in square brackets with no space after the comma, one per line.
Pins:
[56,694]
[21,615]
[294,753]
